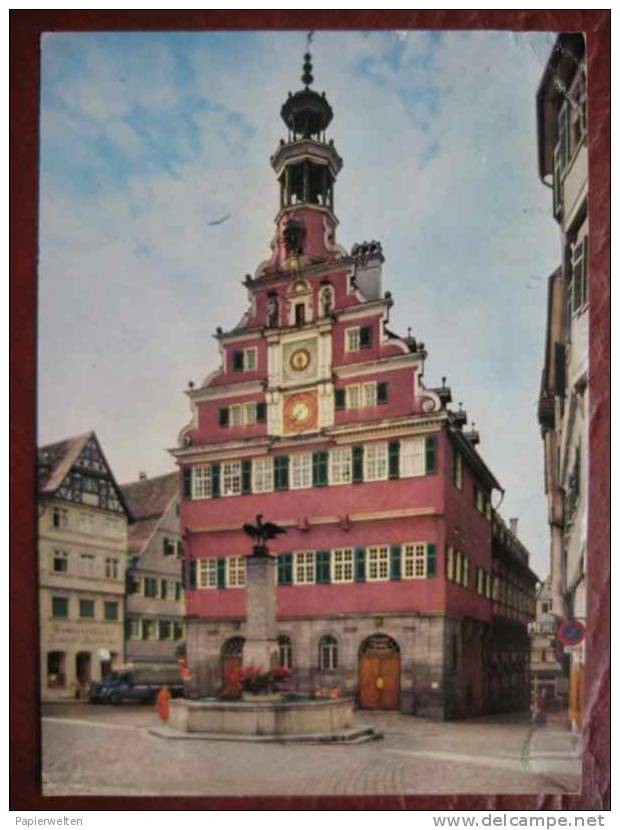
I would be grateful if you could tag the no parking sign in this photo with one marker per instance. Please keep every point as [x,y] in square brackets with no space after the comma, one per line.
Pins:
[571,633]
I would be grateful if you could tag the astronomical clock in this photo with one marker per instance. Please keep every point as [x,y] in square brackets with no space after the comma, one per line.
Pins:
[301,411]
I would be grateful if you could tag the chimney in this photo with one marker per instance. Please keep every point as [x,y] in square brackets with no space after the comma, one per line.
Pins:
[142,476]
[514,524]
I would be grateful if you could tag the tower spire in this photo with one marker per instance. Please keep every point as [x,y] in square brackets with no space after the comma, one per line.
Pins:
[307,77]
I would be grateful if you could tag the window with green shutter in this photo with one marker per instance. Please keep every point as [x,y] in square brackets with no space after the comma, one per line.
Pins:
[221,573]
[365,337]
[382,392]
[360,565]
[285,569]
[323,569]
[246,476]
[395,562]
[431,559]
[393,458]
[319,469]
[358,464]
[110,610]
[430,446]
[215,480]
[339,399]
[280,472]
[224,416]
[187,482]
[190,574]
[238,361]
[261,412]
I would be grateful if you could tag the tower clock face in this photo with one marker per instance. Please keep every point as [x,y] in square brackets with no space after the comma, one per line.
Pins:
[300,412]
[299,360]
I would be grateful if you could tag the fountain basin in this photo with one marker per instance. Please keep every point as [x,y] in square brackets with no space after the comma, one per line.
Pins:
[275,718]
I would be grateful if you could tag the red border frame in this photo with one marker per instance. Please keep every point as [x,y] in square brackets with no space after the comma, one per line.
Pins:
[25,29]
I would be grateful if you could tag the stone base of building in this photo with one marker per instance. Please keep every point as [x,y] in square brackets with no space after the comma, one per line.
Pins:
[436,666]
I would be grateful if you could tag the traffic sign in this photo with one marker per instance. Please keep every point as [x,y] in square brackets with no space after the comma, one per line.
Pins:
[571,633]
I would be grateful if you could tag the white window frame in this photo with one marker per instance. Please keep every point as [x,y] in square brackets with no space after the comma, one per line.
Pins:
[285,651]
[352,339]
[465,571]
[91,570]
[450,561]
[111,567]
[578,263]
[353,396]
[249,359]
[340,465]
[300,471]
[60,555]
[63,518]
[262,475]
[201,481]
[368,395]
[328,653]
[206,573]
[304,570]
[376,461]
[231,478]
[235,571]
[151,626]
[378,563]
[414,560]
[457,472]
[249,413]
[135,628]
[412,457]
[342,565]
[236,413]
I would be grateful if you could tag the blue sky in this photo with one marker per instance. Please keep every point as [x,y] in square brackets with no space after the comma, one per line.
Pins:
[146,138]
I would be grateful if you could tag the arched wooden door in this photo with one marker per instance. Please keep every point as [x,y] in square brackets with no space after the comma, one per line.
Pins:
[379,673]
[232,661]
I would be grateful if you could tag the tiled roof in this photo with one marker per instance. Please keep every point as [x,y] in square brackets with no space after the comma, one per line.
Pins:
[55,461]
[147,499]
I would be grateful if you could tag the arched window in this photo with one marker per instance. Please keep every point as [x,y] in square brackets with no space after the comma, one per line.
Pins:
[285,652]
[328,653]
[56,677]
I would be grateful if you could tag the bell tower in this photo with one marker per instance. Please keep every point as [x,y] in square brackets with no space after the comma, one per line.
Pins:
[306,165]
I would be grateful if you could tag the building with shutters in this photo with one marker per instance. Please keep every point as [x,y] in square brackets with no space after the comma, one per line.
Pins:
[82,518]
[563,411]
[155,603]
[390,584]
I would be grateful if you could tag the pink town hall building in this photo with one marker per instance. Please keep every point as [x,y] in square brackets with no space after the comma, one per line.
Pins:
[397,581]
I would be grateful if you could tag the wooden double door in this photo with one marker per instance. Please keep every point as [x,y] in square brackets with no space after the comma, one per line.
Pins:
[379,681]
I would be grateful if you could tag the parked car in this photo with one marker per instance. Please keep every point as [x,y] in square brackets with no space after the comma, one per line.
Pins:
[120,686]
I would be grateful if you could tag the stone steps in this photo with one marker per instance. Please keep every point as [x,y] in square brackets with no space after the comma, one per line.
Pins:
[346,736]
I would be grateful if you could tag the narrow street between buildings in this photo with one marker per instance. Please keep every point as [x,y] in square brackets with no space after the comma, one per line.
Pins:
[109,751]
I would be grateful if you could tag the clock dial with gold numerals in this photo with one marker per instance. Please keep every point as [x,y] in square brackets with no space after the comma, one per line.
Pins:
[300,412]
[299,360]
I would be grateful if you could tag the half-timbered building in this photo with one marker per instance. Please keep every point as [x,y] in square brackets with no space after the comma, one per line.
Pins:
[83,521]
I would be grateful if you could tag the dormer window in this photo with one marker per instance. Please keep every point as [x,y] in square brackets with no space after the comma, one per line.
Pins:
[244,360]
[300,314]
[359,337]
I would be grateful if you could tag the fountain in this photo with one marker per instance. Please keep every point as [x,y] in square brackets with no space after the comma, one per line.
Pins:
[268,716]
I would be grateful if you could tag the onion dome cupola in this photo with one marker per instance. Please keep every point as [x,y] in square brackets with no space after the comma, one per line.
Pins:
[306,164]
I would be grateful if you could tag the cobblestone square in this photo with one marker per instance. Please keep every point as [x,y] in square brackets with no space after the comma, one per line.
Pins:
[109,751]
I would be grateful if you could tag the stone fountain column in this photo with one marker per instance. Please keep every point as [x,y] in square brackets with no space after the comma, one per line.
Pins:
[261,646]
